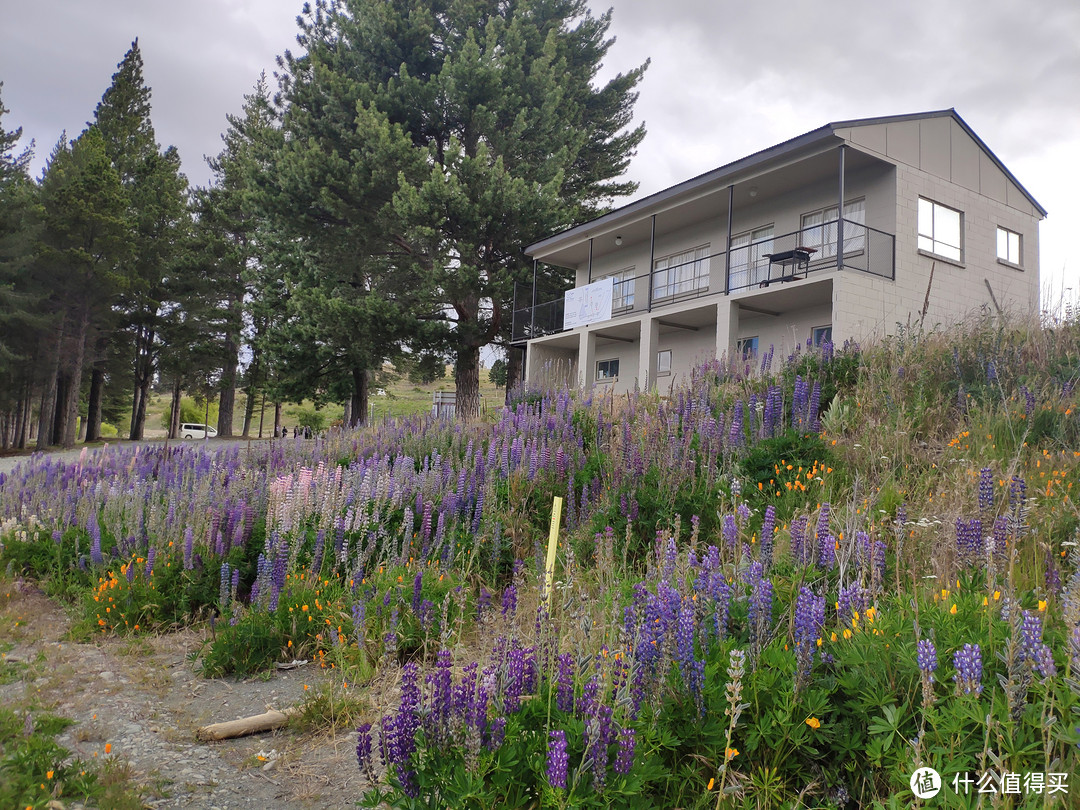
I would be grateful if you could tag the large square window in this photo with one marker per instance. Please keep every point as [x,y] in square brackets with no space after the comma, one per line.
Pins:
[1008,246]
[940,229]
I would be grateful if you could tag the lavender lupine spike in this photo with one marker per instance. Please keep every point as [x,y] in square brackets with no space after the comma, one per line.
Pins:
[557,760]
[986,490]
[624,757]
[968,664]
[809,625]
[928,664]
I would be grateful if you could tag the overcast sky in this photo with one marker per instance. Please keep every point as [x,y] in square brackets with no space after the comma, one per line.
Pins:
[726,79]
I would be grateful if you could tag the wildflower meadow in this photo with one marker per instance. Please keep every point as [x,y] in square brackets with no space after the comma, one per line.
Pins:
[796,580]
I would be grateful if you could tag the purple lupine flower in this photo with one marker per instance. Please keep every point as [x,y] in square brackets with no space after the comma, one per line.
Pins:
[768,528]
[927,658]
[363,750]
[759,616]
[564,694]
[968,664]
[730,531]
[813,421]
[1031,631]
[624,757]
[799,400]
[150,555]
[800,548]
[94,529]
[418,590]
[509,601]
[496,733]
[557,760]
[809,625]
[986,490]
[735,432]
[189,540]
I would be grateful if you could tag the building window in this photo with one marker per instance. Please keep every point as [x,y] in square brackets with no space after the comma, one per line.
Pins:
[681,273]
[822,334]
[663,362]
[747,347]
[1008,246]
[607,369]
[749,266]
[940,229]
[622,290]
[819,230]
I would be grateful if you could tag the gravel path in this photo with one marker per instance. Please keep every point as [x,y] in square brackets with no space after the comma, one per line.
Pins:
[140,696]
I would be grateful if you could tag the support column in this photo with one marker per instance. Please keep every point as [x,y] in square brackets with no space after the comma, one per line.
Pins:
[650,337]
[840,215]
[727,327]
[587,359]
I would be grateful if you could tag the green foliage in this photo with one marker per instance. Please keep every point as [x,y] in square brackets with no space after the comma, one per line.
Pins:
[35,770]
[191,410]
[497,373]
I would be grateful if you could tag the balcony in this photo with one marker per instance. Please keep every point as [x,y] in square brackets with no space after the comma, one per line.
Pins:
[759,264]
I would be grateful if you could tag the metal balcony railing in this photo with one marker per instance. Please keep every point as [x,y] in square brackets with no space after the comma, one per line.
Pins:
[759,264]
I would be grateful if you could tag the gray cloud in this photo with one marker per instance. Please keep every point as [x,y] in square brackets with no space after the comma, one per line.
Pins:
[726,78]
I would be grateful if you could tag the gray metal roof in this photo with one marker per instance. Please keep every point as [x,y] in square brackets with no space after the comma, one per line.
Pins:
[786,148]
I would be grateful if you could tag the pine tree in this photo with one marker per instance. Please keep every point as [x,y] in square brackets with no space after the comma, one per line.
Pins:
[86,238]
[229,220]
[461,130]
[21,319]
[156,194]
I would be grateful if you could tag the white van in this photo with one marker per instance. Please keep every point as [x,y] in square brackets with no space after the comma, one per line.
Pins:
[192,431]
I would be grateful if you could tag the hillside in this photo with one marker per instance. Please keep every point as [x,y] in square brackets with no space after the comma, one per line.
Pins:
[795,581]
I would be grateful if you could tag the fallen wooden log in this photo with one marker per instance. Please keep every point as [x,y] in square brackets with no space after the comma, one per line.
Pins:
[267,721]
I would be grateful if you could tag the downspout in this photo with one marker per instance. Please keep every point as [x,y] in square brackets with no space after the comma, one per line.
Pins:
[590,260]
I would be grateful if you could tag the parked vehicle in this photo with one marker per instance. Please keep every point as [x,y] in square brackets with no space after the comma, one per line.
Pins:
[193,431]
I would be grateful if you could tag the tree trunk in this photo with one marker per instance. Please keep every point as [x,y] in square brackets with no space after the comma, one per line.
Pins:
[174,412]
[93,403]
[346,418]
[467,381]
[70,401]
[360,397]
[252,391]
[47,407]
[139,416]
[277,418]
[514,367]
[227,393]
[144,375]
[262,414]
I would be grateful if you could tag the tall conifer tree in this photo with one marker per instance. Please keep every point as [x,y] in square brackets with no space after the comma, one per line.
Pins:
[460,130]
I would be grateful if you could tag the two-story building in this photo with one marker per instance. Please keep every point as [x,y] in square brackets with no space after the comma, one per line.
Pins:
[843,232]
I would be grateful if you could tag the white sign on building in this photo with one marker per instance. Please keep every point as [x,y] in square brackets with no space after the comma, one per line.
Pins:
[588,304]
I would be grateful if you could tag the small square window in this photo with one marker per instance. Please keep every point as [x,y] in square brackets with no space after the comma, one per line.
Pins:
[822,334]
[940,229]
[1008,246]
[747,347]
[663,362]
[607,369]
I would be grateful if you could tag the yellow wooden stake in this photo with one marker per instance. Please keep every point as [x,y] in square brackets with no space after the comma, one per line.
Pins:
[553,541]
